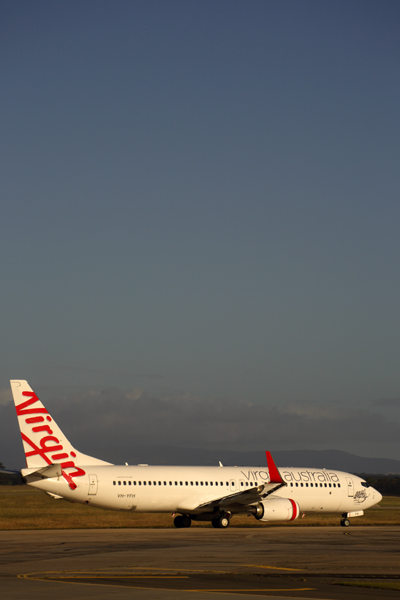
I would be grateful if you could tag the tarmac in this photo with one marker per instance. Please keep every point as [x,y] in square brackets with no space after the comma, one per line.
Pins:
[199,563]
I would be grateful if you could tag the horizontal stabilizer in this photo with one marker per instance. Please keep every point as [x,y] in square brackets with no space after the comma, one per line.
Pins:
[9,472]
[55,496]
[44,472]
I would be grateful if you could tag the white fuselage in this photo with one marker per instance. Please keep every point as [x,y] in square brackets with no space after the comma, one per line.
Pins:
[185,489]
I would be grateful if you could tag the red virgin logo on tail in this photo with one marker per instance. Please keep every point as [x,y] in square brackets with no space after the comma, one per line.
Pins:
[48,444]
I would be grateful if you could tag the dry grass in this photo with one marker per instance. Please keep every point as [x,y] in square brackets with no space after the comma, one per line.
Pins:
[22,507]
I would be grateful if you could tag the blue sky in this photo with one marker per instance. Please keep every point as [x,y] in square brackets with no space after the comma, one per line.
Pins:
[200,201]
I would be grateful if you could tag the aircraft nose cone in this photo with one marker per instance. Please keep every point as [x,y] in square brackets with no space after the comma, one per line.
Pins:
[377,496]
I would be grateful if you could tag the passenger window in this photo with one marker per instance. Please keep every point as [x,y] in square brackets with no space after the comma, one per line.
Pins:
[211,483]
[124,482]
[306,484]
[201,483]
[134,483]
[330,485]
[338,484]
[325,485]
[291,485]
[144,482]
[301,485]
[186,483]
[165,483]
[129,482]
[113,482]
[176,483]
[170,483]
[311,485]
[119,483]
[149,482]
[197,483]
[140,483]
[334,485]
[297,485]
[191,483]
[247,484]
[206,482]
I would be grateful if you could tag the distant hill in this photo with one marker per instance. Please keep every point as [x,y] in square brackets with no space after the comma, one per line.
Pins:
[329,459]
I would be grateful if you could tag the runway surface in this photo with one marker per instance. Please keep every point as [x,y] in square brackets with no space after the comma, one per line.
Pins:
[198,563]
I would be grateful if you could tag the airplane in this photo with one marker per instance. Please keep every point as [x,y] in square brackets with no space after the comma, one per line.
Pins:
[211,494]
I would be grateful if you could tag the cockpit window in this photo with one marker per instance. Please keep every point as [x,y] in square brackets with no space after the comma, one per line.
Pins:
[365,484]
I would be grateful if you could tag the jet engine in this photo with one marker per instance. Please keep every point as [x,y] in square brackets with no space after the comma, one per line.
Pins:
[276,509]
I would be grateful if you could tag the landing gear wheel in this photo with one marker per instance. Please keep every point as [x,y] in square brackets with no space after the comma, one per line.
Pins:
[223,522]
[345,523]
[220,522]
[187,521]
[178,521]
[182,521]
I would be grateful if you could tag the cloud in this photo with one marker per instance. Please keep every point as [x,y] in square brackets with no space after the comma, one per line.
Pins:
[387,402]
[5,396]
[106,416]
[109,422]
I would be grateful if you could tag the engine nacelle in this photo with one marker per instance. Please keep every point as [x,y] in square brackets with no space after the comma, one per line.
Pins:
[277,509]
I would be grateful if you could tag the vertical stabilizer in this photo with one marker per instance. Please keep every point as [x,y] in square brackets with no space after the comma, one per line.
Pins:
[44,442]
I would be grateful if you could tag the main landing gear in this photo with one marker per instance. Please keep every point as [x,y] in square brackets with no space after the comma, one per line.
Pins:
[221,522]
[182,521]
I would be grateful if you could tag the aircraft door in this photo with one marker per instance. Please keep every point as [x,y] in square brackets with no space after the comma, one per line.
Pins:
[232,485]
[350,488]
[93,485]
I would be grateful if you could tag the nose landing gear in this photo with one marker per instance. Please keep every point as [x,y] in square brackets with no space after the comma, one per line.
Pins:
[345,517]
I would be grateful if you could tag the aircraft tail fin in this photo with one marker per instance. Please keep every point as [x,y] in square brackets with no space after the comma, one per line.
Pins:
[44,442]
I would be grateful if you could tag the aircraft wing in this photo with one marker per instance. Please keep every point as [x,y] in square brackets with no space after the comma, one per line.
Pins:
[248,496]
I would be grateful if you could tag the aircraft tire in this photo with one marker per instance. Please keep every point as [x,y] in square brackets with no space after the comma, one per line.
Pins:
[178,521]
[220,522]
[345,523]
[223,522]
[186,521]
